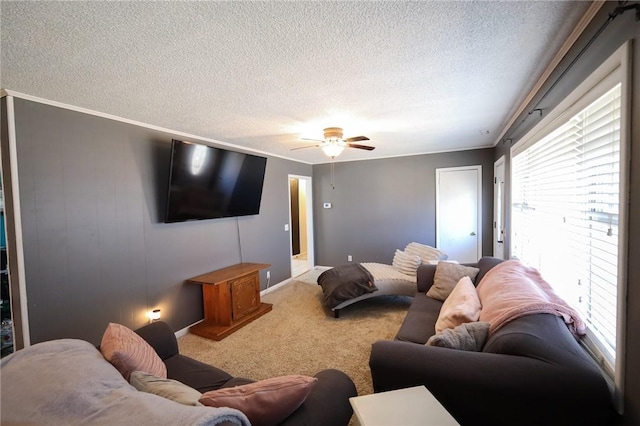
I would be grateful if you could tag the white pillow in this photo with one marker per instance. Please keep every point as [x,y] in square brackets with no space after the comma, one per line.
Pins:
[406,263]
[426,253]
[166,388]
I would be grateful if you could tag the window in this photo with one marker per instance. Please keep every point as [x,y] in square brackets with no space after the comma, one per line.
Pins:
[568,206]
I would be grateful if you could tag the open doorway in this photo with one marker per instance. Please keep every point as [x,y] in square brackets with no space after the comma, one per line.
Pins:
[301,219]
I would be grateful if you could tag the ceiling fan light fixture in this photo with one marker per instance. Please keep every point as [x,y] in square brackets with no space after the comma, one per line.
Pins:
[333,143]
[332,150]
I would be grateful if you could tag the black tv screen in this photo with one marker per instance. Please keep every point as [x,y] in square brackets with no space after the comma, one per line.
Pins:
[209,183]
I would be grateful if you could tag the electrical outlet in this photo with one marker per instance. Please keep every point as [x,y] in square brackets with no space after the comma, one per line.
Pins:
[268,275]
[349,258]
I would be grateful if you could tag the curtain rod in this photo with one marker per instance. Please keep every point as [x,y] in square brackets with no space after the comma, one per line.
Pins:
[619,10]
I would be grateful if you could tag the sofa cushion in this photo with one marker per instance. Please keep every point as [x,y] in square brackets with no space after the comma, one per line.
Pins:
[544,337]
[420,322]
[237,381]
[462,306]
[406,263]
[267,402]
[129,352]
[469,336]
[166,388]
[161,337]
[485,264]
[198,375]
[447,276]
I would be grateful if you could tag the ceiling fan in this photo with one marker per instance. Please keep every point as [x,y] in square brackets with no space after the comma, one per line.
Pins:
[334,143]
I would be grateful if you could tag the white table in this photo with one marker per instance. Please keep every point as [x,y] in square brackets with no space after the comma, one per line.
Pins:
[406,407]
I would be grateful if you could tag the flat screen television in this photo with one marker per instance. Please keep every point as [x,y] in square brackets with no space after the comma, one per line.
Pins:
[209,183]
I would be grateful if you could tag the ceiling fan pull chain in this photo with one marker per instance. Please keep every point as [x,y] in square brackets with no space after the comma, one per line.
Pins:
[332,168]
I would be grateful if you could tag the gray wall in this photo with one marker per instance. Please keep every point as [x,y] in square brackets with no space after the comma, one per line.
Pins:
[621,29]
[379,206]
[92,192]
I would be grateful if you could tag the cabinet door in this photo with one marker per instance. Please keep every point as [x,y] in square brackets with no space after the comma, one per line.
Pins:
[245,295]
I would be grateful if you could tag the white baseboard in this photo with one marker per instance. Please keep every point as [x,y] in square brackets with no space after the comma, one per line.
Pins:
[322,268]
[185,331]
[276,286]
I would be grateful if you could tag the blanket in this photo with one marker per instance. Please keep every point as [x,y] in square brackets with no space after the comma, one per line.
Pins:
[511,290]
[384,272]
[68,382]
[344,283]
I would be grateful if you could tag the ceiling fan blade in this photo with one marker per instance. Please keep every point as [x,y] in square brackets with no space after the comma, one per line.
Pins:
[304,147]
[356,139]
[355,145]
[309,139]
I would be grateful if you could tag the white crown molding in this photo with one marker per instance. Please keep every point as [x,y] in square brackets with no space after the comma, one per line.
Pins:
[8,92]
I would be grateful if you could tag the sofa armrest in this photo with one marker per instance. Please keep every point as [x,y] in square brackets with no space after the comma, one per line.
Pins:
[160,336]
[496,389]
[328,402]
[425,276]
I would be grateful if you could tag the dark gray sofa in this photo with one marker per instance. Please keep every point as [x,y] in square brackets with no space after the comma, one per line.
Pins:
[327,404]
[530,372]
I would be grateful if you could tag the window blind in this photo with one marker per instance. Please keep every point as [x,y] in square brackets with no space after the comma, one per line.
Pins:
[565,213]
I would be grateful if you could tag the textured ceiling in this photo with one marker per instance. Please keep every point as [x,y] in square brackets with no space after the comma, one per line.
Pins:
[414,77]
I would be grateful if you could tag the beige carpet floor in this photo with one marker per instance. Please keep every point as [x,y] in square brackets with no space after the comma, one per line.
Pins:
[301,336]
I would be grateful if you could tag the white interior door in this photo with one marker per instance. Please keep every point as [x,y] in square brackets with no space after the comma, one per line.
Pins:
[498,208]
[458,212]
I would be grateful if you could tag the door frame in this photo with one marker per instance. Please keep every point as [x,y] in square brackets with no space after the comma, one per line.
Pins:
[309,211]
[13,232]
[499,208]
[478,169]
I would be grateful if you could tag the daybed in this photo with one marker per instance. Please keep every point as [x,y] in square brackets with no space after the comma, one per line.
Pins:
[530,371]
[351,283]
[69,381]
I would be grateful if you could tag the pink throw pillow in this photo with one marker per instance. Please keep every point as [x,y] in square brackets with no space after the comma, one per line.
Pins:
[267,402]
[128,352]
[462,306]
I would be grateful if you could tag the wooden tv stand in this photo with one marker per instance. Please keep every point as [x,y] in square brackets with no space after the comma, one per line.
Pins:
[231,298]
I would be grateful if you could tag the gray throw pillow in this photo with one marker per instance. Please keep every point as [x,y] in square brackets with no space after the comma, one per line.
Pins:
[469,336]
[447,276]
